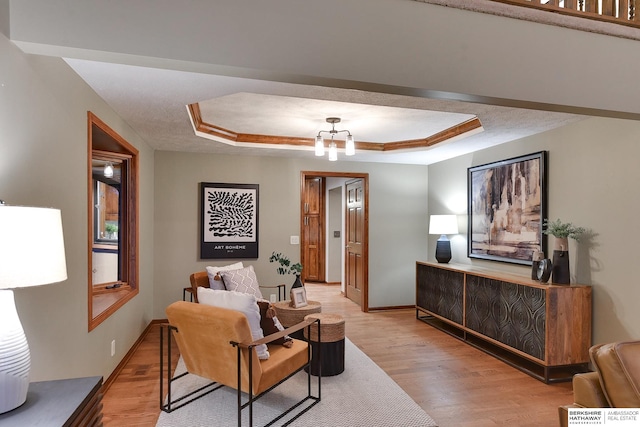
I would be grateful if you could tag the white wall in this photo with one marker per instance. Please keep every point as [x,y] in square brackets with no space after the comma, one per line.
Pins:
[592,182]
[43,162]
[397,224]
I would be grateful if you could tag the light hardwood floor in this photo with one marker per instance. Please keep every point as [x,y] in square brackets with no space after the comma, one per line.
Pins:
[458,385]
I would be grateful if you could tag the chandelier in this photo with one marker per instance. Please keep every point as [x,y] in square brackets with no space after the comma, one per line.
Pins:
[350,145]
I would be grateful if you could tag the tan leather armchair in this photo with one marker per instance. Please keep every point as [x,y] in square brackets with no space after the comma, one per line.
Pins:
[216,343]
[615,382]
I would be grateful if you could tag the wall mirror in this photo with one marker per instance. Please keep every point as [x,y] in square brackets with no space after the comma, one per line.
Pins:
[113,221]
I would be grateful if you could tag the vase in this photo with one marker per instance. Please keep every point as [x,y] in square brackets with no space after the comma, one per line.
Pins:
[560,264]
[297,283]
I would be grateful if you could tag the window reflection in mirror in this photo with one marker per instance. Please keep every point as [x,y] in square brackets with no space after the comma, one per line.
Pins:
[113,221]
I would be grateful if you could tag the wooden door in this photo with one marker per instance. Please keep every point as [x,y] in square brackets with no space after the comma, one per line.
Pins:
[313,258]
[355,234]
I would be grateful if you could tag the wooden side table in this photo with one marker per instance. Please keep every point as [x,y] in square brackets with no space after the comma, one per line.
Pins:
[72,402]
[289,316]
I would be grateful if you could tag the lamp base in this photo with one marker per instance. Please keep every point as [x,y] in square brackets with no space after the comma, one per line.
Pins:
[443,250]
[15,361]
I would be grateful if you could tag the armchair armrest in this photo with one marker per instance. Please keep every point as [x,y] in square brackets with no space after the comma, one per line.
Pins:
[280,334]
[588,392]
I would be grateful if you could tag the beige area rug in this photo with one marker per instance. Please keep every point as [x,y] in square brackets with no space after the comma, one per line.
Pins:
[363,395]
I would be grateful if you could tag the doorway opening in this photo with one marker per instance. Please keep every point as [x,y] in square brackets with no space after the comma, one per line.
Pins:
[334,231]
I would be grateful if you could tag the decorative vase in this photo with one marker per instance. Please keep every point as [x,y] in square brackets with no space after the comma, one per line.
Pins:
[298,283]
[560,264]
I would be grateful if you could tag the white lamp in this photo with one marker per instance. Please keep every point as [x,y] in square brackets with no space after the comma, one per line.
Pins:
[443,225]
[31,254]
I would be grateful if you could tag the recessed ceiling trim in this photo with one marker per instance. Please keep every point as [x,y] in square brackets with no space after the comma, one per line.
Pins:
[208,130]
[447,134]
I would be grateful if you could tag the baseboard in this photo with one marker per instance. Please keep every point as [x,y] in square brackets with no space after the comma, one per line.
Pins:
[392,307]
[129,355]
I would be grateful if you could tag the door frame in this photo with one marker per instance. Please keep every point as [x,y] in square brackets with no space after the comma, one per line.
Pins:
[365,249]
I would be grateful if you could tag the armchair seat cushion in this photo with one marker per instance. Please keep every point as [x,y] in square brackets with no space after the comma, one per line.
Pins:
[282,361]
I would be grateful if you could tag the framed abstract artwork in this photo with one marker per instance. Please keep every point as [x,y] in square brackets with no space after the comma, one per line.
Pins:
[507,206]
[229,220]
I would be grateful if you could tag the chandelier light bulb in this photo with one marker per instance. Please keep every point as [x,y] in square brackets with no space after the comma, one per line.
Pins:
[350,146]
[333,152]
[319,146]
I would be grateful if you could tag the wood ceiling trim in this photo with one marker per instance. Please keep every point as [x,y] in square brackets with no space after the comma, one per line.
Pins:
[437,138]
[246,138]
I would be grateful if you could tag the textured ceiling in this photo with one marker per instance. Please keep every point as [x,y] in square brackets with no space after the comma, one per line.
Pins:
[153,102]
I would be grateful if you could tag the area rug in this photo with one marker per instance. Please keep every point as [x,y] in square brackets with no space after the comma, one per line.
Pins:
[363,395]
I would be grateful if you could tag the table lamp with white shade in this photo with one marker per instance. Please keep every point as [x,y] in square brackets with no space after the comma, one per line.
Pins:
[443,225]
[31,254]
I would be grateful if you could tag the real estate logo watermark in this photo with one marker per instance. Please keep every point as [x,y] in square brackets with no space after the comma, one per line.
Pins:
[626,417]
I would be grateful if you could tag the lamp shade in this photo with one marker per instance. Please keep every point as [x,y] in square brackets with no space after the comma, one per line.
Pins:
[443,224]
[31,247]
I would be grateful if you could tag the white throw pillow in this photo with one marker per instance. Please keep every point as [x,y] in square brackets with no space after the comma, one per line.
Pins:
[238,301]
[212,272]
[242,280]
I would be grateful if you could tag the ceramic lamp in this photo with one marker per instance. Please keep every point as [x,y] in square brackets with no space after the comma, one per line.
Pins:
[31,254]
[443,225]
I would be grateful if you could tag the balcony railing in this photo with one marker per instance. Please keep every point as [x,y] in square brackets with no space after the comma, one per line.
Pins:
[614,11]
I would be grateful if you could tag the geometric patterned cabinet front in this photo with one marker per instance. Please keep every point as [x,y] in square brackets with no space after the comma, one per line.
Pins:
[441,291]
[507,312]
[545,330]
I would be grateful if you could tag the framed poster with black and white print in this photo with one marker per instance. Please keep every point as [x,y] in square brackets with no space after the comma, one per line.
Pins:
[229,220]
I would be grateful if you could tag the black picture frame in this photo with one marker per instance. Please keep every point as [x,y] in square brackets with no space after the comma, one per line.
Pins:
[229,220]
[507,202]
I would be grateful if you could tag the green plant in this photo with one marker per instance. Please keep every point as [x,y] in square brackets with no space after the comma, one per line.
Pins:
[562,230]
[110,228]
[285,265]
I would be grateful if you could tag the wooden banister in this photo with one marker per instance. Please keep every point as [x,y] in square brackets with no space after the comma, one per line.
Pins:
[621,12]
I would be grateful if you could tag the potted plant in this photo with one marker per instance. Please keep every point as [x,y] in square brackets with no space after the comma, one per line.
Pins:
[111,229]
[286,267]
[562,231]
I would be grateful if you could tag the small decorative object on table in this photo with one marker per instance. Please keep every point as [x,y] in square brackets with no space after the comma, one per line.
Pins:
[543,271]
[562,231]
[287,268]
[298,297]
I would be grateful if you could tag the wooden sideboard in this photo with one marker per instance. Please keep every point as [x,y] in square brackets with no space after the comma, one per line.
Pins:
[541,329]
[74,402]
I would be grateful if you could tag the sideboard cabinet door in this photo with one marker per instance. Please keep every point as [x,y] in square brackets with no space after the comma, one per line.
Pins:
[440,291]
